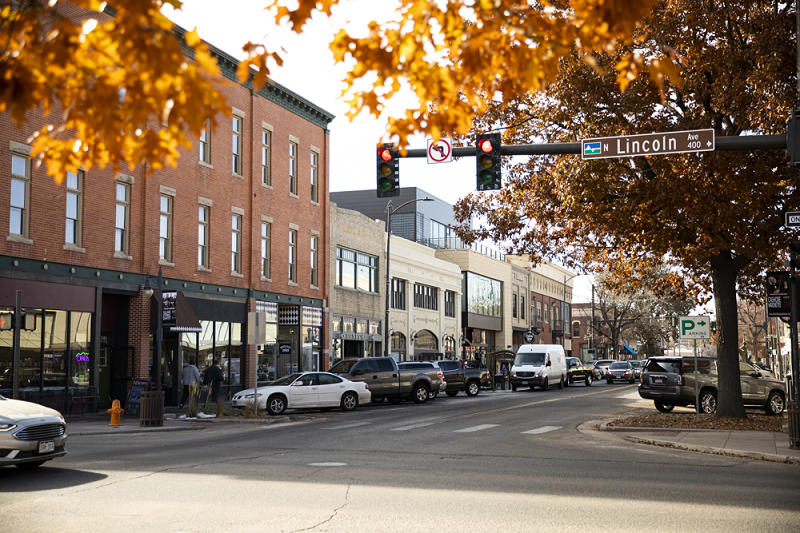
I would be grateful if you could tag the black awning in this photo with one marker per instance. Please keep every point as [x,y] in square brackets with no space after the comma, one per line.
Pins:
[185,321]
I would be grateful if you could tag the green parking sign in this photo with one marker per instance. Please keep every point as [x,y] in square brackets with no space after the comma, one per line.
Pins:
[694,327]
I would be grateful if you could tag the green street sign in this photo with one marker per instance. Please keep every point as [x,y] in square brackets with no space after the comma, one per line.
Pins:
[694,327]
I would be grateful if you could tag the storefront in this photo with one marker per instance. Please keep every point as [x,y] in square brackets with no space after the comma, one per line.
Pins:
[355,337]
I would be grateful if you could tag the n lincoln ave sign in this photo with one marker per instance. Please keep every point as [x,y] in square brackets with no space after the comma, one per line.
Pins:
[675,142]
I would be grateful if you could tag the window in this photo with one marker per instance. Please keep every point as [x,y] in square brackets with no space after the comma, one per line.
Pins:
[266,229]
[398,294]
[293,167]
[202,237]
[513,306]
[576,329]
[236,244]
[20,179]
[539,310]
[522,307]
[205,143]
[266,178]
[449,303]
[314,240]
[314,175]
[356,270]
[74,208]
[165,229]
[237,145]
[426,297]
[481,295]
[121,236]
[293,255]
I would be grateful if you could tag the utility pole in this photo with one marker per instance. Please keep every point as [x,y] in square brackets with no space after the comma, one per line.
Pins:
[591,336]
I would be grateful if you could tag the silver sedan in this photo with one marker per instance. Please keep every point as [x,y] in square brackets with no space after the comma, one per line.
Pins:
[30,434]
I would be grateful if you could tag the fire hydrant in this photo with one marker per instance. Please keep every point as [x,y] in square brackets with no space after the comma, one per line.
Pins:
[115,411]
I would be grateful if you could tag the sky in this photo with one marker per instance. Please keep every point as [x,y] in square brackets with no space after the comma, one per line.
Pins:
[309,71]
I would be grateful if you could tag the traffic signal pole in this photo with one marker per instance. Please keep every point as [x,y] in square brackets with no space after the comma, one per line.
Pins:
[15,360]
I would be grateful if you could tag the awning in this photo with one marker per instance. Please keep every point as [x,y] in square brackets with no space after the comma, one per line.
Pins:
[628,349]
[177,315]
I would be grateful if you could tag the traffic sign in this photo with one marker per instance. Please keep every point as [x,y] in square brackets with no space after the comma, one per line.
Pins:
[440,150]
[792,219]
[674,142]
[694,327]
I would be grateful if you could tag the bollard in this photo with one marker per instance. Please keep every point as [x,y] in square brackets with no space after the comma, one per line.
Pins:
[793,411]
[115,413]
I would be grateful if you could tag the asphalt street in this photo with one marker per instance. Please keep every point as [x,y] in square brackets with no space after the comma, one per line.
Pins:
[524,461]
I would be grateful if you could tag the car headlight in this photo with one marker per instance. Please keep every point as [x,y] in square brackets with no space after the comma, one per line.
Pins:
[513,373]
[8,427]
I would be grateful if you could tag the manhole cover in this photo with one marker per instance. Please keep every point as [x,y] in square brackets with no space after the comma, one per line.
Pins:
[327,464]
[665,433]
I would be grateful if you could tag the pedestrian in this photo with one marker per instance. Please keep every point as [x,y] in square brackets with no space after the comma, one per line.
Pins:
[190,376]
[213,378]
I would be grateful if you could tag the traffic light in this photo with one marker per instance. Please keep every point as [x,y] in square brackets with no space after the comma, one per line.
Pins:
[6,321]
[28,322]
[388,171]
[611,349]
[713,326]
[487,156]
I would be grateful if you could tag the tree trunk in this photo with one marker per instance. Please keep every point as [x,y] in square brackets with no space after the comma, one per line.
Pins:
[724,271]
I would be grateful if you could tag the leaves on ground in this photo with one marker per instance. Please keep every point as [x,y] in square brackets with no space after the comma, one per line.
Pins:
[753,422]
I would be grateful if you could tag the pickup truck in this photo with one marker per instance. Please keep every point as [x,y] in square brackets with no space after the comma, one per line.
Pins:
[386,380]
[469,380]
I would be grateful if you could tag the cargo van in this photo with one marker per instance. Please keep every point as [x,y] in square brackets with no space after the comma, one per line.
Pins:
[539,365]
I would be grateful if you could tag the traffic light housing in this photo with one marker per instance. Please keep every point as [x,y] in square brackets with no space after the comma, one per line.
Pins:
[388,171]
[713,326]
[487,162]
[6,321]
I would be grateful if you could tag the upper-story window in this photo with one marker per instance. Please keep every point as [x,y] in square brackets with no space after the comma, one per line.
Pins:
[266,155]
[398,293]
[266,229]
[292,167]
[449,303]
[202,236]
[576,329]
[293,255]
[522,307]
[237,145]
[514,306]
[356,270]
[20,182]
[205,143]
[121,219]
[236,244]
[165,229]
[426,297]
[74,208]
[314,175]
[314,240]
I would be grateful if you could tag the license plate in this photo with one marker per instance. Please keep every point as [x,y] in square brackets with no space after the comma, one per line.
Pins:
[47,446]
[526,382]
[659,381]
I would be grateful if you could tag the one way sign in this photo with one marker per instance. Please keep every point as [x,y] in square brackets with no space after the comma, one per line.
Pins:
[792,219]
[694,327]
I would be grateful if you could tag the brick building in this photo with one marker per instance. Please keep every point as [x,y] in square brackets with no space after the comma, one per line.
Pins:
[241,224]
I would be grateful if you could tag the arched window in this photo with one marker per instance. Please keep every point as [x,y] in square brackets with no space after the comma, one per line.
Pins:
[576,329]
[449,346]
[398,341]
[425,340]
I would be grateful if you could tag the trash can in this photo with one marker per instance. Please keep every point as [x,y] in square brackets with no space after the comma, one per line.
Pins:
[793,410]
[151,411]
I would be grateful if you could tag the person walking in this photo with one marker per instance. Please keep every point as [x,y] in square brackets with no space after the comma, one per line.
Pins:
[213,378]
[190,376]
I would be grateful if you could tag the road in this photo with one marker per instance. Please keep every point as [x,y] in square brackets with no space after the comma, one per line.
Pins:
[498,461]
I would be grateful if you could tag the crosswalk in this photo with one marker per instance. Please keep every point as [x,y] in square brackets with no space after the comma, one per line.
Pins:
[468,429]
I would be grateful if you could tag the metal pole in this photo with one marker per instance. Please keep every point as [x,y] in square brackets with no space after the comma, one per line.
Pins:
[386,339]
[591,338]
[793,329]
[259,318]
[159,331]
[15,362]
[696,391]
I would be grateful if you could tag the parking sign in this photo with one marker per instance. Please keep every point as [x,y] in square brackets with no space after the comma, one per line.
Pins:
[694,327]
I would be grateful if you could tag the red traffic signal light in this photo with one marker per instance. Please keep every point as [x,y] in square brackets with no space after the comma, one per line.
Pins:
[487,154]
[485,145]
[388,171]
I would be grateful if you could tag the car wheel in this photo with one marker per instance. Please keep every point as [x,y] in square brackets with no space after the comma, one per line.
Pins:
[433,394]
[544,384]
[452,393]
[569,381]
[664,407]
[473,388]
[394,400]
[28,466]
[420,394]
[349,401]
[775,404]
[588,381]
[708,402]
[561,383]
[276,405]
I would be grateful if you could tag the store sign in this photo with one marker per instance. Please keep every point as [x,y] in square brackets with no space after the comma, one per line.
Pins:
[528,336]
[82,357]
[285,348]
[354,336]
[778,297]
[169,309]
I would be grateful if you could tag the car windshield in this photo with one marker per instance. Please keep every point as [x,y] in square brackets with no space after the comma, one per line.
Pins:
[285,380]
[343,367]
[636,364]
[530,358]
[618,366]
[603,362]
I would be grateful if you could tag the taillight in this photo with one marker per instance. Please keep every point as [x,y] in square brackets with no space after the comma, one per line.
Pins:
[441,376]
[680,380]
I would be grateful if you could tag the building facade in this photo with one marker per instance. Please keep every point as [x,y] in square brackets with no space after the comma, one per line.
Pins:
[240,225]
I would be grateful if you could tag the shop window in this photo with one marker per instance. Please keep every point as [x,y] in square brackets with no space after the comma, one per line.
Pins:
[425,340]
[336,323]
[361,326]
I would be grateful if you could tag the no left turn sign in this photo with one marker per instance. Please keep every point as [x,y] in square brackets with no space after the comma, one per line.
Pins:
[440,150]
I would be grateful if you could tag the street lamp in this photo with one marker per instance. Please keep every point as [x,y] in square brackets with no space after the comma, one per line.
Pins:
[563,325]
[389,213]
[148,293]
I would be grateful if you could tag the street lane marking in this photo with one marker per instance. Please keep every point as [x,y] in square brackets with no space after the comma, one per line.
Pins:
[543,429]
[476,428]
[354,424]
[413,426]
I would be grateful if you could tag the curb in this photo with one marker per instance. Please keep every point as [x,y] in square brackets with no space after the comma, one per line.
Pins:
[124,430]
[787,459]
[605,427]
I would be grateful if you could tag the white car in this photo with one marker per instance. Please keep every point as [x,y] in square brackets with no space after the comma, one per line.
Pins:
[305,391]
[30,434]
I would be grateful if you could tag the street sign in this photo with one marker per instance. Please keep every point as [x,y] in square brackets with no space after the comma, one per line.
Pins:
[528,337]
[674,142]
[792,219]
[440,150]
[694,327]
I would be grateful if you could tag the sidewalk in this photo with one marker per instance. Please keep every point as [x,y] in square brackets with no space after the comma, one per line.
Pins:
[764,445]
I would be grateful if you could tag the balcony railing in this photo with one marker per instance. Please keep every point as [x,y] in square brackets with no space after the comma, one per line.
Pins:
[454,243]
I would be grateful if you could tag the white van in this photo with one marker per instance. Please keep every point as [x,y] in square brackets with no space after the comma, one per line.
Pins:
[539,365]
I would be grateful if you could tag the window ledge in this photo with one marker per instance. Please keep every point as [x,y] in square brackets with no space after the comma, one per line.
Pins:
[269,280]
[293,284]
[293,195]
[74,248]
[235,175]
[164,262]
[314,288]
[236,274]
[201,268]
[18,238]
[122,255]
[204,164]
[314,203]
[266,186]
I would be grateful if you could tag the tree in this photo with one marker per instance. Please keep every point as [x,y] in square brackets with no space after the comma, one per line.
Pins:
[716,217]
[753,321]
[121,88]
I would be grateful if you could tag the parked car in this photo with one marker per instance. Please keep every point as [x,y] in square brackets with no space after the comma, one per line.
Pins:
[765,372]
[469,380]
[388,381]
[602,366]
[539,365]
[669,382]
[30,434]
[578,371]
[637,367]
[426,365]
[620,371]
[306,390]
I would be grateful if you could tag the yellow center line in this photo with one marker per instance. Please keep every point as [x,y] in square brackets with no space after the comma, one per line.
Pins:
[539,402]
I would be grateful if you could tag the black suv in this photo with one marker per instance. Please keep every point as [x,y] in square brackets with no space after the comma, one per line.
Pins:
[669,382]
